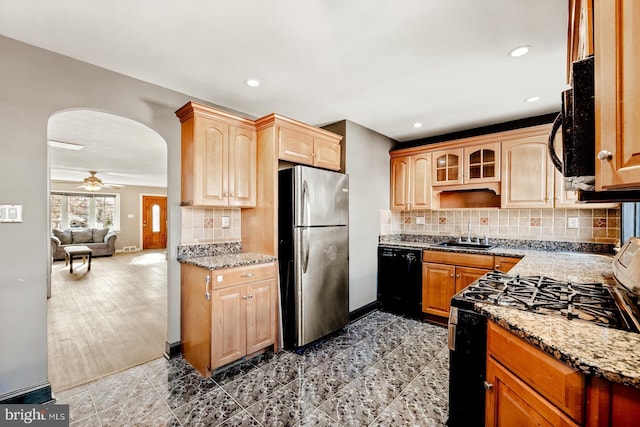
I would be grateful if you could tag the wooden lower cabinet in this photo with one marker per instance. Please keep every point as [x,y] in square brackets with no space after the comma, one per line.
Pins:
[505,263]
[239,318]
[528,387]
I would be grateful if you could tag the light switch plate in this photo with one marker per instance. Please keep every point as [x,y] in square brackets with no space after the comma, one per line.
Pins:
[10,213]
[226,223]
[420,220]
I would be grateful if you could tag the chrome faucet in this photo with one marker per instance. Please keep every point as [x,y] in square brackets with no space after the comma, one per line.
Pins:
[469,231]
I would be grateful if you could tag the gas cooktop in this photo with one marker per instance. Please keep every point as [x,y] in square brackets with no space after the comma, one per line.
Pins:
[593,302]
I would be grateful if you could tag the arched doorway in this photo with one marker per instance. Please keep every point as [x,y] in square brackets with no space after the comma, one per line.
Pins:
[113,316]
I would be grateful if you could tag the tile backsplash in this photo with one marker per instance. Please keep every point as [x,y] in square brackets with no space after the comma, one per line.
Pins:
[591,225]
[204,225]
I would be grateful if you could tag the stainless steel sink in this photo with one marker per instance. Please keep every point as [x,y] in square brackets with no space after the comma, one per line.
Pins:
[468,245]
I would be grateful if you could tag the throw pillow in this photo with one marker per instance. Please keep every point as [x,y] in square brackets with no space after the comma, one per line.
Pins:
[63,235]
[81,236]
[98,234]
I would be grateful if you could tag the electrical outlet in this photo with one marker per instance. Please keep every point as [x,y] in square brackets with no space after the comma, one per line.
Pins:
[226,223]
[420,220]
[572,222]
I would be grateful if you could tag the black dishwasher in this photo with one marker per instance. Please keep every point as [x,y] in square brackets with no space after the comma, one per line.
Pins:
[400,280]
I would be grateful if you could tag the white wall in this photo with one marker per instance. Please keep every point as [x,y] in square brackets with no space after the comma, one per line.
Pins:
[35,84]
[367,163]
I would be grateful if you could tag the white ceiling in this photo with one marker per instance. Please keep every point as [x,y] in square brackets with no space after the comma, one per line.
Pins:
[380,63]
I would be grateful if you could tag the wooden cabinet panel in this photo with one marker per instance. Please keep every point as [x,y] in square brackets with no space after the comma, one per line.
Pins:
[261,315]
[242,167]
[228,325]
[617,93]
[482,163]
[457,258]
[527,174]
[400,167]
[438,286]
[511,402]
[447,167]
[295,146]
[238,319]
[558,383]
[466,276]
[504,263]
[307,146]
[218,158]
[327,154]
[411,182]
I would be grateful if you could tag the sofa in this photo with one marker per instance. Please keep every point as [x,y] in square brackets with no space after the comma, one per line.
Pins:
[101,241]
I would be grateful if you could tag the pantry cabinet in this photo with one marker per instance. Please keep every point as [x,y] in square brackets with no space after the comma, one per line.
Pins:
[411,182]
[617,93]
[227,314]
[218,158]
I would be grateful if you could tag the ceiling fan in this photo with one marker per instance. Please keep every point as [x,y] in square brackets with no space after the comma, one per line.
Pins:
[93,183]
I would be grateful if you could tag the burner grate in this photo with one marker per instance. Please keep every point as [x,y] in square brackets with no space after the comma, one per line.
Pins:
[591,302]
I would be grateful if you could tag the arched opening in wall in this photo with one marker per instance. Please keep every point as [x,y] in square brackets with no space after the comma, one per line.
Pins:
[107,312]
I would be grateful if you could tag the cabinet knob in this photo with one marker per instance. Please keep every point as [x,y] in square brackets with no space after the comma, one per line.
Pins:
[244,297]
[451,274]
[458,276]
[488,386]
[250,296]
[497,267]
[248,275]
[605,155]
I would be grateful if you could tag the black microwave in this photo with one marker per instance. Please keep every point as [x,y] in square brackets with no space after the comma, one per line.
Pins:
[577,120]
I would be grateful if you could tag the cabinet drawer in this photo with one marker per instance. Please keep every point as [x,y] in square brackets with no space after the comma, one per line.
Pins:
[245,274]
[558,383]
[454,258]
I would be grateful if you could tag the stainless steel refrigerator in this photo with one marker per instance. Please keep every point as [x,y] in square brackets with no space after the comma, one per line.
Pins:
[313,233]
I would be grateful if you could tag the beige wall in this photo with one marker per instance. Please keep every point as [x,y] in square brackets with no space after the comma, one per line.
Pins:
[594,225]
[130,204]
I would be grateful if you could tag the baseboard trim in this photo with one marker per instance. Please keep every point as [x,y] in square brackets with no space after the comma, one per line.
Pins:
[364,310]
[172,350]
[34,395]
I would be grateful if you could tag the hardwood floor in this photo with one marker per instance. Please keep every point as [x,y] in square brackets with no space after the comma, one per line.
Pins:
[107,319]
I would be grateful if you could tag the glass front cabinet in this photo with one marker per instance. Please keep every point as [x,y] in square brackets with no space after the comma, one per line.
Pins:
[479,163]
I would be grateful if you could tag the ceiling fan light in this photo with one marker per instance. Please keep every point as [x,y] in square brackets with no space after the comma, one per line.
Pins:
[91,187]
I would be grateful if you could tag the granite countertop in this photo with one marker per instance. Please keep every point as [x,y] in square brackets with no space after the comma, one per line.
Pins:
[217,262]
[591,349]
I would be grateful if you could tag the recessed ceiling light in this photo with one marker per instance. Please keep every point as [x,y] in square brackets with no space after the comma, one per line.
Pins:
[65,145]
[252,83]
[519,51]
[417,125]
[532,99]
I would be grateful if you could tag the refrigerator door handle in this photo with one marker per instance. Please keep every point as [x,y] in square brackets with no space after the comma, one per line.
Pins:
[305,256]
[306,211]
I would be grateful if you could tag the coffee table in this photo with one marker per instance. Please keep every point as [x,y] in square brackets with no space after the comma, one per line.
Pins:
[77,252]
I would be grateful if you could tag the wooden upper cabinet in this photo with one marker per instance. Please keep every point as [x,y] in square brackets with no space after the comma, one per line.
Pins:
[527,173]
[411,182]
[482,163]
[617,93]
[299,143]
[218,158]
[580,34]
[447,167]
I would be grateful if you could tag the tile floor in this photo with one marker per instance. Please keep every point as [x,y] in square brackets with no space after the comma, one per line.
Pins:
[382,370]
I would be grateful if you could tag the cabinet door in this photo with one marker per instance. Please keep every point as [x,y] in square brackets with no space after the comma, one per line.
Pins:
[228,325]
[210,163]
[527,174]
[466,276]
[482,163]
[617,93]
[438,286]
[295,146]
[447,167]
[510,402]
[326,153]
[242,167]
[420,182]
[261,315]
[400,188]
[505,263]
[195,312]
